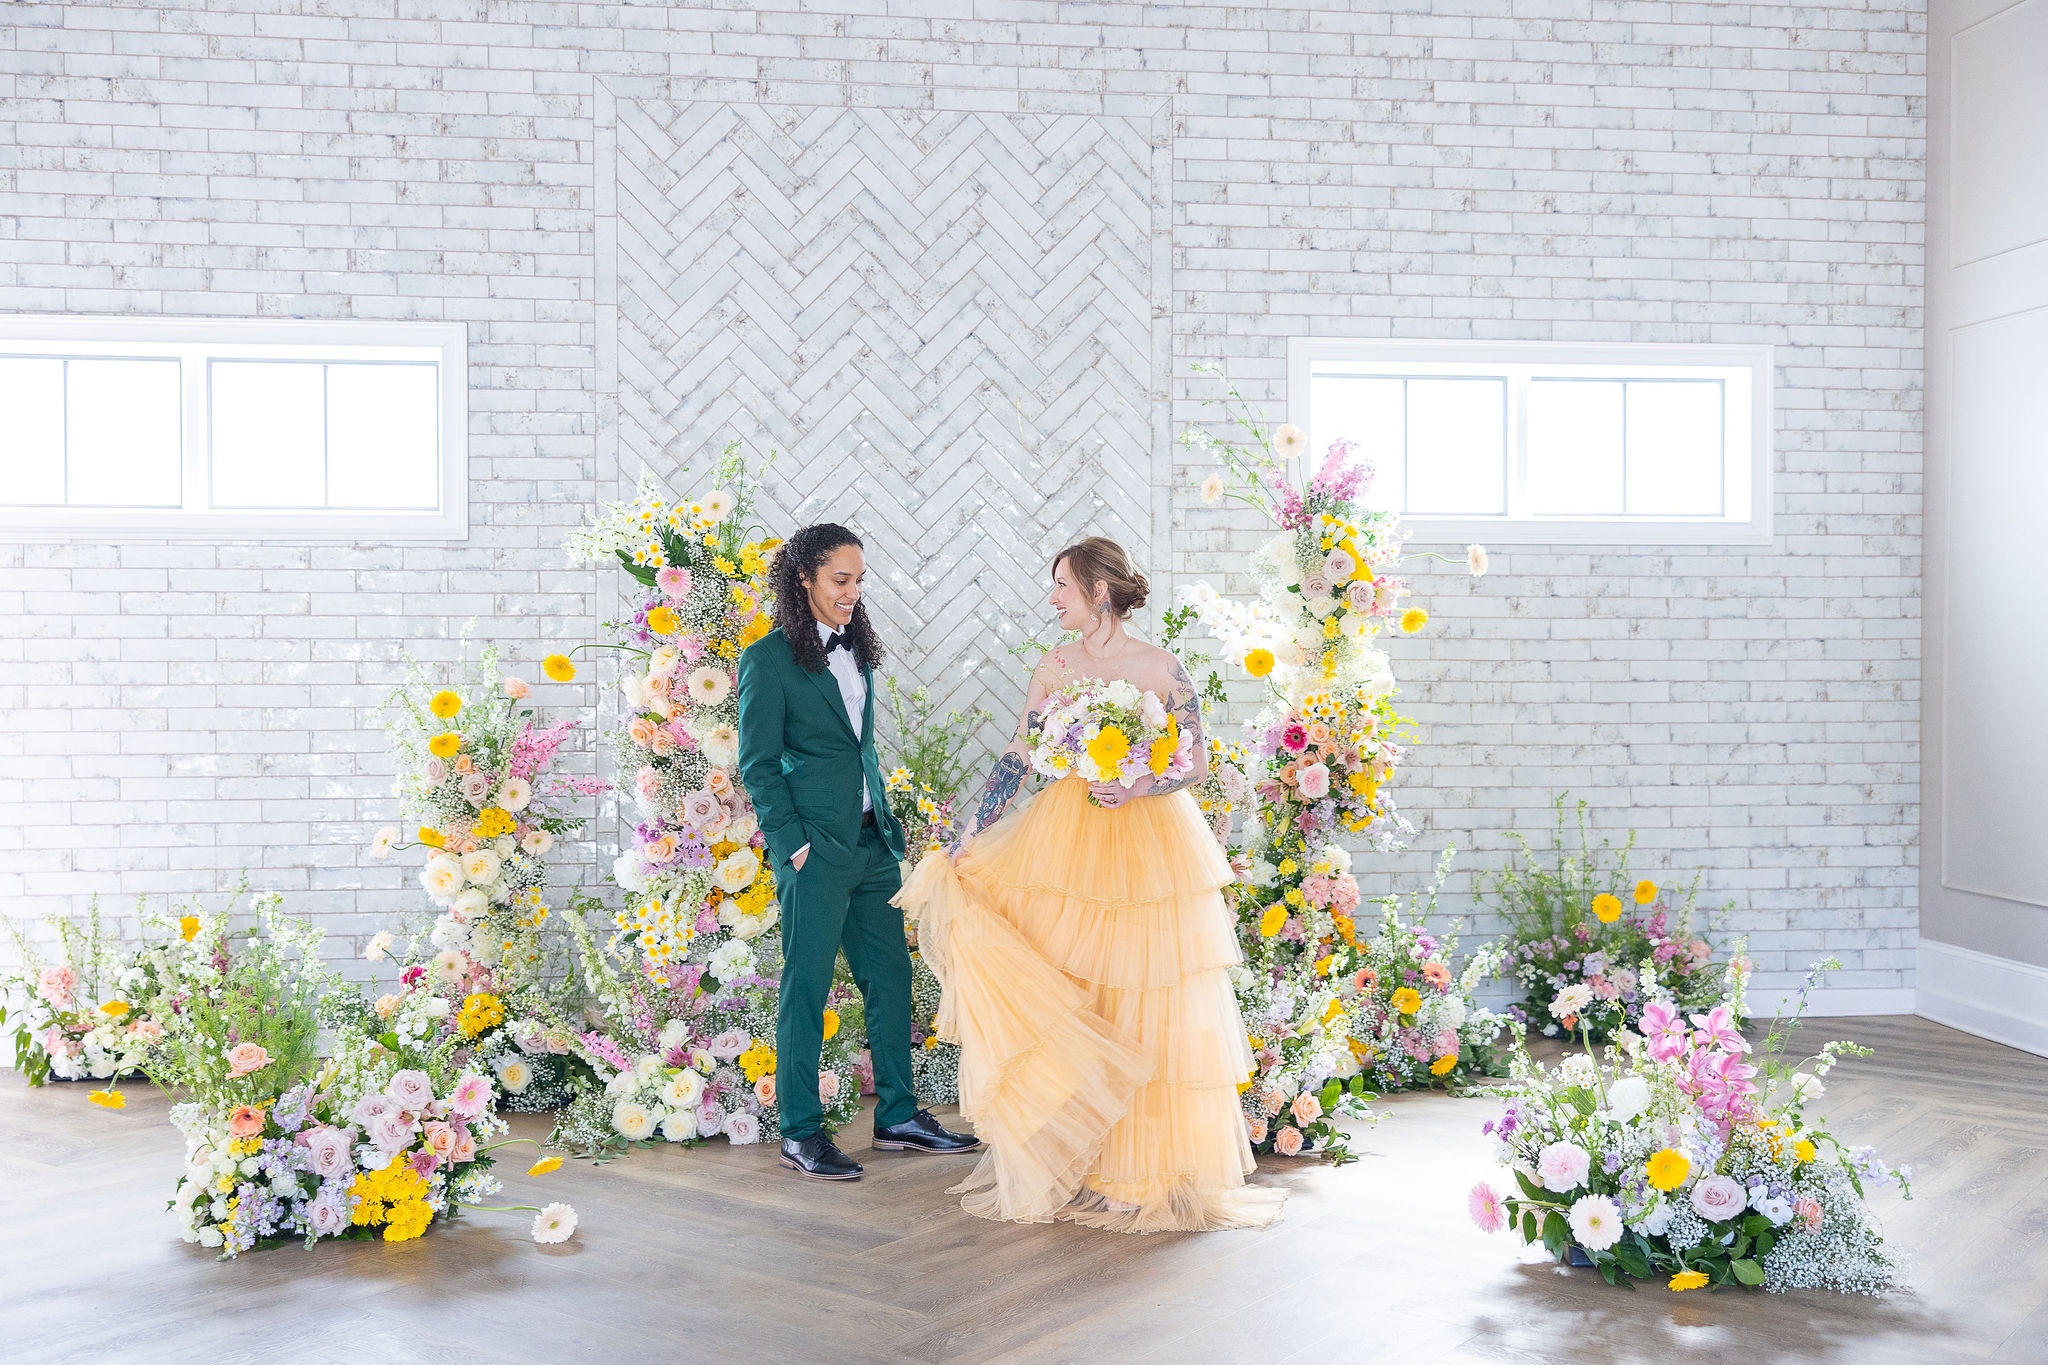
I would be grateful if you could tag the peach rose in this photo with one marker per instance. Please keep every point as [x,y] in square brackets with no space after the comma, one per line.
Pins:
[516,688]
[465,1146]
[1307,1108]
[657,684]
[764,1089]
[661,850]
[148,1030]
[245,1059]
[828,1087]
[386,1004]
[440,1139]
[1258,1127]
[464,764]
[642,730]
[718,782]
[664,743]
[1289,1142]
[1319,733]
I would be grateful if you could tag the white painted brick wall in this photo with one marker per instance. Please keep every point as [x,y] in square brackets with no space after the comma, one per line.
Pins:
[1612,170]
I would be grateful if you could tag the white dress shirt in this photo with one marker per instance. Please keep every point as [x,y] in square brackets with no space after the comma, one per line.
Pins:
[853,691]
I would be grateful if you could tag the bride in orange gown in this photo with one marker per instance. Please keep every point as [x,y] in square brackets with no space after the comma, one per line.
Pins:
[1084,947]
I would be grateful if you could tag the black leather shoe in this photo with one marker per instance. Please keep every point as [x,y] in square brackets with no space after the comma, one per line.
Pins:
[921,1133]
[817,1157]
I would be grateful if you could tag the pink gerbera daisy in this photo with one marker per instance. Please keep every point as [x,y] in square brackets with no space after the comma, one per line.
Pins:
[1489,1214]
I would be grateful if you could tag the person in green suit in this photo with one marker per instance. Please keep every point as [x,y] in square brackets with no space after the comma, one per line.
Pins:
[807,756]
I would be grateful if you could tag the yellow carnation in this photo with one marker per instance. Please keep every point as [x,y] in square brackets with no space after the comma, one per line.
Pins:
[492,821]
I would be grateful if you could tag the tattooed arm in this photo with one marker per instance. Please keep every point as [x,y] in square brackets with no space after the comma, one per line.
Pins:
[1013,765]
[1185,704]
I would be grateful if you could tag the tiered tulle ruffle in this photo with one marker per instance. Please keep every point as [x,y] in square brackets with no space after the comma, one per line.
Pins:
[1085,956]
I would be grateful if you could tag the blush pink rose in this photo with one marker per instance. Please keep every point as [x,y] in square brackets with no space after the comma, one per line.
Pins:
[327,1150]
[411,1089]
[1314,781]
[828,1087]
[1719,1198]
[148,1030]
[517,688]
[465,1145]
[1288,1143]
[440,1138]
[328,1217]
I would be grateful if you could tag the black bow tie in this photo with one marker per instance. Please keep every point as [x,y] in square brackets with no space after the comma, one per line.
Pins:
[837,639]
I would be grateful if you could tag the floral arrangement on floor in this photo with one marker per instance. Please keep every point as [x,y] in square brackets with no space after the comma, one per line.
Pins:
[696,874]
[1686,1157]
[1412,1020]
[474,779]
[1319,753]
[279,1146]
[1583,929]
[690,1055]
[78,1017]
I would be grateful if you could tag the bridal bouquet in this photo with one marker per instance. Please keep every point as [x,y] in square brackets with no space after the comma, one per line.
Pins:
[1685,1156]
[1109,732]
[473,778]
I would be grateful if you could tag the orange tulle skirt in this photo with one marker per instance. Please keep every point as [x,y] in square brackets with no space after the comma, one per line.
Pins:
[1085,956]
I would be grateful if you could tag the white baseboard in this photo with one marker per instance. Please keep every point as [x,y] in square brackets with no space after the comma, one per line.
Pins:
[1833,1003]
[1992,997]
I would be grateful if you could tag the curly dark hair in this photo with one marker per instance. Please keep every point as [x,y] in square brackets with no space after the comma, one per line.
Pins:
[796,559]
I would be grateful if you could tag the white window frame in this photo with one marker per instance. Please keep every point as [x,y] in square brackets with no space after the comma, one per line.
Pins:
[195,343]
[1747,523]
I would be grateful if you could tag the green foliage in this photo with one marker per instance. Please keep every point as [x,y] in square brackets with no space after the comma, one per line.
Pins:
[931,748]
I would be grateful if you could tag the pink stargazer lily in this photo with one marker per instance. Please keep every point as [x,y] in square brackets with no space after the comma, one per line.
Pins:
[1716,1028]
[1664,1030]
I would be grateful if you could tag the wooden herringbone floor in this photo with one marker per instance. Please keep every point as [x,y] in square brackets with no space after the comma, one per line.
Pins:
[718,1255]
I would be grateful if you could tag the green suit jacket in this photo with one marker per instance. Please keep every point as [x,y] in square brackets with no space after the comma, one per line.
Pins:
[801,761]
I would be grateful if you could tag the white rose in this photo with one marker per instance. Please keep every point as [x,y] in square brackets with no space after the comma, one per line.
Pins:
[628,872]
[482,867]
[442,877]
[470,902]
[679,1126]
[749,927]
[633,1120]
[515,1074]
[664,661]
[635,689]
[742,828]
[683,1090]
[735,872]
[1628,1097]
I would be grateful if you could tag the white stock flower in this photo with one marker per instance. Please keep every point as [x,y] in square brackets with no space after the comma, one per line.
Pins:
[732,959]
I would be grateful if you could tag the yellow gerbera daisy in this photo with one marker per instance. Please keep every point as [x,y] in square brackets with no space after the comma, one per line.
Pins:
[1668,1169]
[445,704]
[1414,619]
[444,745]
[1606,908]
[558,667]
[1688,1279]
[1646,891]
[1258,662]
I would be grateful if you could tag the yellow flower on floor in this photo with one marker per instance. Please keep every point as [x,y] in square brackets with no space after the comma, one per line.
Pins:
[445,704]
[1273,921]
[188,927]
[664,621]
[1668,1170]
[1606,908]
[545,1165]
[108,1099]
[558,667]
[1406,1000]
[1646,891]
[1258,662]
[444,745]
[1804,1150]
[831,1024]
[1414,619]
[1688,1279]
[1443,1066]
